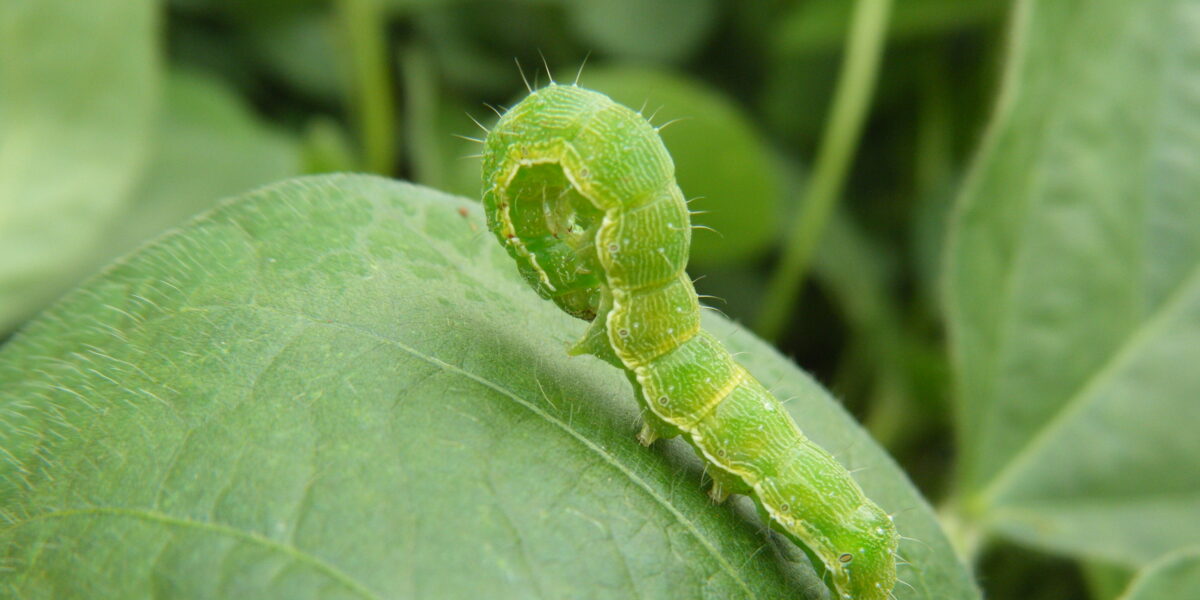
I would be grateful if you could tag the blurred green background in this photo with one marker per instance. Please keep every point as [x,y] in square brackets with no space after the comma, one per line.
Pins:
[122,118]
[204,99]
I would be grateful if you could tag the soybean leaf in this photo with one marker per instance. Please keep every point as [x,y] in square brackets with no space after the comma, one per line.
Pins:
[338,387]
[1172,577]
[719,158]
[1074,285]
[78,84]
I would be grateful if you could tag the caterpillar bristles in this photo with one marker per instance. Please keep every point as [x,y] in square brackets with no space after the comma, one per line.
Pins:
[476,122]
[522,72]
[671,122]
[494,109]
[579,73]
[546,64]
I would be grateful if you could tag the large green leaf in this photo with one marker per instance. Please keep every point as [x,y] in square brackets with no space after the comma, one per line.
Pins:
[719,158]
[1074,285]
[77,91]
[1172,577]
[338,387]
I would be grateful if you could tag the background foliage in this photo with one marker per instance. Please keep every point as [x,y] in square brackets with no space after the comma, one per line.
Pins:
[1005,293]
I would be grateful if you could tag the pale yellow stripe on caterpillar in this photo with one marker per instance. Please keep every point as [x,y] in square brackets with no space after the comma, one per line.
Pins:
[623,324]
[689,426]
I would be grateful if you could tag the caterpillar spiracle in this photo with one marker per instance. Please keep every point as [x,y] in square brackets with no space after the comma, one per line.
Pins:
[581,192]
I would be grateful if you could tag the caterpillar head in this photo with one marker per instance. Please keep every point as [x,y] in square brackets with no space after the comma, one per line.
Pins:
[557,167]
[864,567]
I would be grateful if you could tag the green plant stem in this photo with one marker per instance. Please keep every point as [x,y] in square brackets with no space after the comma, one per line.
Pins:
[420,117]
[864,47]
[935,131]
[369,82]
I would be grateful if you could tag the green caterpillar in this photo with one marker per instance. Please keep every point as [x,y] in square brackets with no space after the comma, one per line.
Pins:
[581,192]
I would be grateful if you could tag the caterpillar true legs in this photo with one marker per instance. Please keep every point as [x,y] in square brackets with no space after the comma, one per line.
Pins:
[582,194]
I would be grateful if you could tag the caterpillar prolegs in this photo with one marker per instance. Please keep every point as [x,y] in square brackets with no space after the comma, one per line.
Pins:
[581,192]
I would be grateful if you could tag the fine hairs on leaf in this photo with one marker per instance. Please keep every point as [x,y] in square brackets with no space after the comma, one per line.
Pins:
[581,193]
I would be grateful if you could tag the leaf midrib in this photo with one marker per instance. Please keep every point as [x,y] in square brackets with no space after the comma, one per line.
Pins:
[1077,401]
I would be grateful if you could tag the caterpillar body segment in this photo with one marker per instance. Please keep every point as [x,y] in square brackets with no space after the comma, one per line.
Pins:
[582,194]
